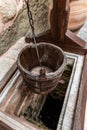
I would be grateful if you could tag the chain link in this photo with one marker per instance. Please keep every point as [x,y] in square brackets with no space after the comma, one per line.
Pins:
[32,27]
[30,15]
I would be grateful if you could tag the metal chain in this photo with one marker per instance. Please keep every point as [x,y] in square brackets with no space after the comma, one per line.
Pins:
[32,28]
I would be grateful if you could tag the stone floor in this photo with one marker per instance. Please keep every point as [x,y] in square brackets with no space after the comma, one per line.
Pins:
[9,58]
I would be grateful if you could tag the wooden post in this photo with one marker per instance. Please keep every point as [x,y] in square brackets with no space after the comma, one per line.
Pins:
[59,19]
[58,33]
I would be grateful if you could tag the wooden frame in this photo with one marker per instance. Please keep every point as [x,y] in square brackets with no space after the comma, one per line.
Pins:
[15,92]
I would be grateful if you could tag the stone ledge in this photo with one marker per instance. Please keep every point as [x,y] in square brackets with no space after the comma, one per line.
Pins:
[8,59]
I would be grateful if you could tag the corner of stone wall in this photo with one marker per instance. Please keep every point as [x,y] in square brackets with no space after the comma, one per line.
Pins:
[21,27]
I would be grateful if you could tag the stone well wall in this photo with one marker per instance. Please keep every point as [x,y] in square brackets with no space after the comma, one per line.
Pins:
[14,21]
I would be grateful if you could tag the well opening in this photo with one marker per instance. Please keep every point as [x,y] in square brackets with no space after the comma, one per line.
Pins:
[46,111]
[30,110]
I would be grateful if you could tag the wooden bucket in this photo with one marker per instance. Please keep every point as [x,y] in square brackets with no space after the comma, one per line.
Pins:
[51,57]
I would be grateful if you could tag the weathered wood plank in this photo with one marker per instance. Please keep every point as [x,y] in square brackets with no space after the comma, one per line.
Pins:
[73,39]
[3,126]
[7,76]
[59,19]
[78,122]
[16,123]
[5,94]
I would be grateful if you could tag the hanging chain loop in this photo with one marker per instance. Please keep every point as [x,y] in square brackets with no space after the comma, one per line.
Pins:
[32,27]
[29,15]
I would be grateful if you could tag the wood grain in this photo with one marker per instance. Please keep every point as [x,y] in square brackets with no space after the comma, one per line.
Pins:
[81,101]
[59,19]
[3,126]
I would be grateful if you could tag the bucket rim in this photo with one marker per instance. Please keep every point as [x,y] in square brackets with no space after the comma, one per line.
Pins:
[48,75]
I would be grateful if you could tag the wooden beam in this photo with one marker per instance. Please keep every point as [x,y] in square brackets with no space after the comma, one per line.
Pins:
[42,37]
[74,40]
[59,19]
[3,126]
[8,76]
[78,122]
[72,49]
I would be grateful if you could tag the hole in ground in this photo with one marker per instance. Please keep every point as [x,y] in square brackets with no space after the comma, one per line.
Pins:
[50,112]
[46,111]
